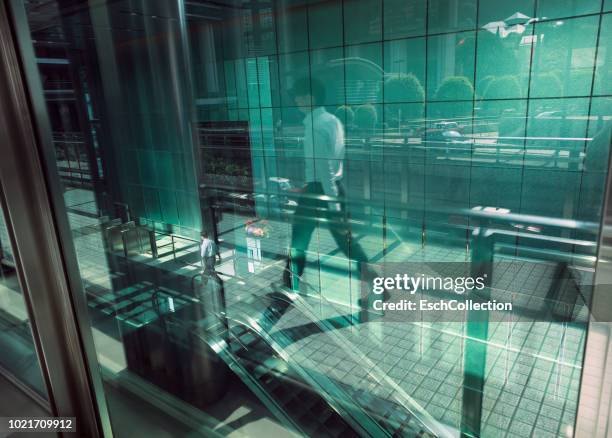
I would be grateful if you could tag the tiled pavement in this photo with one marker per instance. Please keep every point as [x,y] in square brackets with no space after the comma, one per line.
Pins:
[530,383]
[532,371]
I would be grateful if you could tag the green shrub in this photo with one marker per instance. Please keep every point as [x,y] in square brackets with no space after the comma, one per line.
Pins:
[345,114]
[502,87]
[455,88]
[403,88]
[547,84]
[366,116]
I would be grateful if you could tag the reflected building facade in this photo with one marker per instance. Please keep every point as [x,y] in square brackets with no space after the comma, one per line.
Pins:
[172,118]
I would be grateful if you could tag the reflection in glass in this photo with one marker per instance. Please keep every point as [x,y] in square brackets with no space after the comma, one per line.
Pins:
[563,57]
[417,124]
[18,358]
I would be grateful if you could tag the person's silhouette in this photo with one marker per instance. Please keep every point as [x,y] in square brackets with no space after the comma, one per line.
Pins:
[208,252]
[324,152]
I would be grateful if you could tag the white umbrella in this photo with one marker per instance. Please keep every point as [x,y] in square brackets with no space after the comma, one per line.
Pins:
[517,28]
[495,26]
[517,18]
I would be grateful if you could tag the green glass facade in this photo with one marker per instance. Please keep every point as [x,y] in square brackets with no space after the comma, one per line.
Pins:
[192,116]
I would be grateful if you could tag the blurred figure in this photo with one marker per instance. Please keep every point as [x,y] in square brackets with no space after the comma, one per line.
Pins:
[324,152]
[208,252]
[345,113]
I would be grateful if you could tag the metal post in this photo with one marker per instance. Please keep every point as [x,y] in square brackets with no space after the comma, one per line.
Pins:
[477,329]
[595,398]
[44,255]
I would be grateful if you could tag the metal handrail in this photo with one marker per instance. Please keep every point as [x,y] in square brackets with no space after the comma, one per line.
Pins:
[294,298]
[476,212]
[330,391]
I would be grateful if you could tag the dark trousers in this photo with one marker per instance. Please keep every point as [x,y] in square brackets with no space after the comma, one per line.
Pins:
[208,264]
[304,223]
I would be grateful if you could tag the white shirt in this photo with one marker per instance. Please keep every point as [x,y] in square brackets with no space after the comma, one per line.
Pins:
[207,248]
[323,149]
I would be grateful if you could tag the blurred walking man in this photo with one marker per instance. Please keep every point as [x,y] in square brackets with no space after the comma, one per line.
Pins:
[208,252]
[324,152]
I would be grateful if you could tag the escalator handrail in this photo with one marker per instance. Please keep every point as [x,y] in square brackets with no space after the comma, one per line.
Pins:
[369,427]
[221,347]
[406,401]
[428,421]
[326,388]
